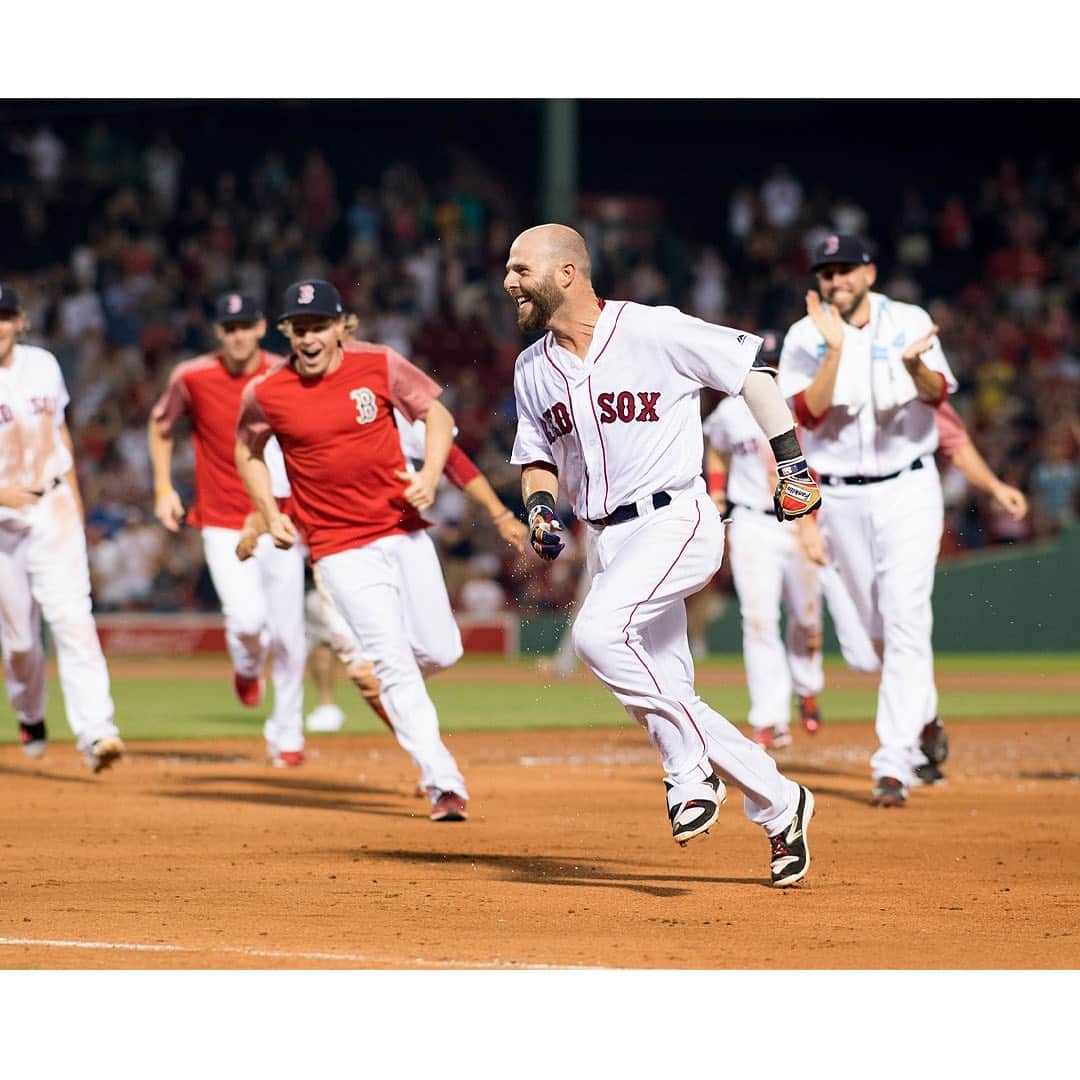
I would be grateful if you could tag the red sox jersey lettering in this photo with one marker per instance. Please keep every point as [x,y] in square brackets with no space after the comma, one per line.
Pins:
[611,442]
[366,406]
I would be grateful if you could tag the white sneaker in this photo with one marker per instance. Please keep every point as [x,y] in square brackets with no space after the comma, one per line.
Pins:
[325,718]
[103,753]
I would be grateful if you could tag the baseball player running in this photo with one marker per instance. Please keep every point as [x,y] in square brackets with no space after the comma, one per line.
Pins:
[43,565]
[331,407]
[865,375]
[768,565]
[262,601]
[608,405]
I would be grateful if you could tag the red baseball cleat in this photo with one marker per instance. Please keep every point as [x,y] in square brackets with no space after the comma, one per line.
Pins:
[449,806]
[249,688]
[772,738]
[810,714]
[284,759]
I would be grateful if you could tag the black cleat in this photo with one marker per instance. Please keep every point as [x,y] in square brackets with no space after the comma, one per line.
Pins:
[888,792]
[929,774]
[34,738]
[791,847]
[692,817]
[934,743]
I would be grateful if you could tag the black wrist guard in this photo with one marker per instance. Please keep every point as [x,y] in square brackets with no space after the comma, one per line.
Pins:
[786,447]
[542,499]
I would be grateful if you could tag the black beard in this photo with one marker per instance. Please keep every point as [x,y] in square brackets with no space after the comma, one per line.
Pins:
[545,300]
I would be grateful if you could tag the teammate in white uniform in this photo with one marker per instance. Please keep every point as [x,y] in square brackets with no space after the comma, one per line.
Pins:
[767,564]
[864,374]
[608,405]
[43,566]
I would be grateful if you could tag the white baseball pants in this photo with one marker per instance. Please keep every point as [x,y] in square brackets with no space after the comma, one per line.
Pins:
[44,571]
[883,542]
[262,600]
[631,632]
[768,566]
[392,596]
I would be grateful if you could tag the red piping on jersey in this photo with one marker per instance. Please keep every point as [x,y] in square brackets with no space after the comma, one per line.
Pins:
[804,415]
[610,336]
[626,628]
[603,450]
[570,400]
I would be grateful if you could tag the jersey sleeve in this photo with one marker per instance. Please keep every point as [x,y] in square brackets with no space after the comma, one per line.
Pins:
[253,428]
[530,442]
[411,391]
[63,398]
[413,435]
[172,404]
[705,353]
[799,362]
[952,435]
[280,487]
[460,468]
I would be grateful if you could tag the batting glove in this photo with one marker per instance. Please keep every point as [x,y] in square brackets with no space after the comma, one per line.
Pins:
[544,527]
[797,493]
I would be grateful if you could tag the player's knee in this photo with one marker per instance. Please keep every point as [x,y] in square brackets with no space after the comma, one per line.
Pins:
[593,638]
[443,656]
[22,661]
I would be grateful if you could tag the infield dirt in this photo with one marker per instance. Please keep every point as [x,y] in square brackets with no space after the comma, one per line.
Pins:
[199,855]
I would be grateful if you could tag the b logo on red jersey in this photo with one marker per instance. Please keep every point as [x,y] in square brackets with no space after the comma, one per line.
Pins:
[626,407]
[367,407]
[307,294]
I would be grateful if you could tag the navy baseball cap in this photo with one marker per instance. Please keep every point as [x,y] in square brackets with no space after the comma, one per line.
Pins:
[841,248]
[771,343]
[9,299]
[313,297]
[237,307]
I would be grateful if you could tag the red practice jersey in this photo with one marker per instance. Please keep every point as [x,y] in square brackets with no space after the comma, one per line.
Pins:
[204,389]
[341,444]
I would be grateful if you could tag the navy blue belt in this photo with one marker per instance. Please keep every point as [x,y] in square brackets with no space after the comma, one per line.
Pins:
[833,481]
[629,511]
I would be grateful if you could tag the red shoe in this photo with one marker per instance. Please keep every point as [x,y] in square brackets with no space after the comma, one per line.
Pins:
[449,806]
[283,759]
[249,688]
[772,738]
[810,714]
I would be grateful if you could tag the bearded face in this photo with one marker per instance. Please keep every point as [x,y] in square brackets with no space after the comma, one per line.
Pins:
[537,303]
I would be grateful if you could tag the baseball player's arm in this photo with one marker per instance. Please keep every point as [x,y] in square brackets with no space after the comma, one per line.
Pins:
[71,476]
[168,508]
[540,491]
[797,492]
[256,477]
[716,469]
[818,396]
[930,385]
[977,472]
[421,485]
[254,526]
[483,494]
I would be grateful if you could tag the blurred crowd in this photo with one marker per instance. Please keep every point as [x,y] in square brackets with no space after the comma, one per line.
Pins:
[120,247]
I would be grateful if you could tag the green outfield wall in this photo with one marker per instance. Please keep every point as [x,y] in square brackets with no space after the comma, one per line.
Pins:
[1014,599]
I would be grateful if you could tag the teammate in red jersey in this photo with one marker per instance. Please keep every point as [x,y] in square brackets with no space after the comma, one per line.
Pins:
[207,389]
[331,406]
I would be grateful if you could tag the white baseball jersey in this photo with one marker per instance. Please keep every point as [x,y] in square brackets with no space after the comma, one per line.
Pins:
[876,426]
[33,398]
[625,422]
[732,429]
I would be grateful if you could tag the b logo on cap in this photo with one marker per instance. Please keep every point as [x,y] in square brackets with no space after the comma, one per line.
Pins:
[832,245]
[235,304]
[307,294]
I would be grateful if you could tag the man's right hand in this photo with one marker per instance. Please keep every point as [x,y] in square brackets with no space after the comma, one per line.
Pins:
[169,510]
[810,540]
[544,529]
[283,531]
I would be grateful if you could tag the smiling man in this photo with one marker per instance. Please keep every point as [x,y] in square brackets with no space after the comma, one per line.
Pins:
[609,409]
[864,375]
[262,601]
[331,406]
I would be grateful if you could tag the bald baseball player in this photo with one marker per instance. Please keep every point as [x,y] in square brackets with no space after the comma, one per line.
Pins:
[43,564]
[865,375]
[608,408]
[262,602]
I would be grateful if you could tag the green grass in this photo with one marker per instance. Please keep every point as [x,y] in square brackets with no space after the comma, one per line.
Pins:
[200,708]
